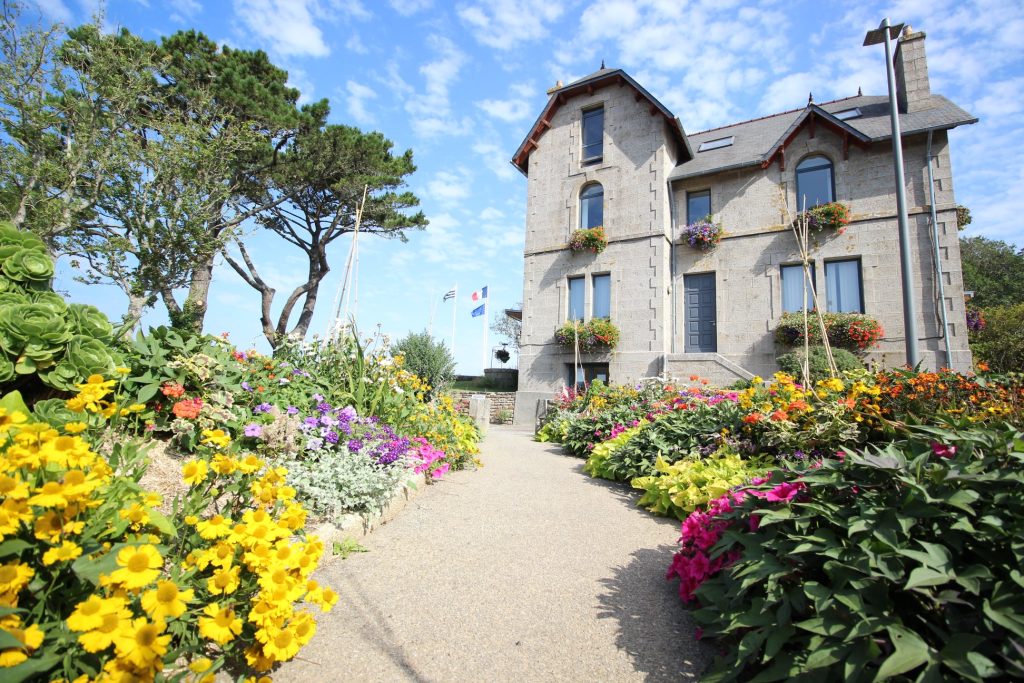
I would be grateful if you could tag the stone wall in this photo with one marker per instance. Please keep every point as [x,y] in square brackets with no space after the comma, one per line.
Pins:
[500,400]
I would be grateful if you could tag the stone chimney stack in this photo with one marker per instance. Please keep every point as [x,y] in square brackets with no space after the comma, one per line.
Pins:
[911,65]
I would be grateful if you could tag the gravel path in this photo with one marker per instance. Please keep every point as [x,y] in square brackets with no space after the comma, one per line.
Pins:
[525,570]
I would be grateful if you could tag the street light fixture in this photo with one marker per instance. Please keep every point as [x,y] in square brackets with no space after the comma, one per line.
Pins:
[885,34]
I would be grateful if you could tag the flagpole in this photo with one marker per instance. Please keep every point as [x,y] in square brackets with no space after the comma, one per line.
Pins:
[485,330]
[455,309]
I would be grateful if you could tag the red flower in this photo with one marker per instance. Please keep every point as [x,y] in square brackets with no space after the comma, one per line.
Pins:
[188,409]
[172,390]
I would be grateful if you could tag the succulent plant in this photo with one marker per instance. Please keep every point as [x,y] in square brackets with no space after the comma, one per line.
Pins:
[89,321]
[34,334]
[54,411]
[84,356]
[29,266]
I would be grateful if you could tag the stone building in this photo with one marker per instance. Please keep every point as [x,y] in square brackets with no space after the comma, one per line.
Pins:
[605,152]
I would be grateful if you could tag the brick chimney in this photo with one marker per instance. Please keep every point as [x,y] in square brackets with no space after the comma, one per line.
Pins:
[912,88]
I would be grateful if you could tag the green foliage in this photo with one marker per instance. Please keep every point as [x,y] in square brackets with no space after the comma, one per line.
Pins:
[428,359]
[677,489]
[45,342]
[850,331]
[1001,342]
[963,217]
[901,562]
[993,270]
[597,461]
[596,334]
[593,240]
[793,363]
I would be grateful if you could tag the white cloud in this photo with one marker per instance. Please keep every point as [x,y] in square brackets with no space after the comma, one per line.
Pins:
[184,11]
[788,92]
[409,7]
[431,109]
[491,214]
[357,96]
[287,25]
[355,44]
[299,79]
[56,10]
[495,159]
[504,24]
[448,187]
[513,110]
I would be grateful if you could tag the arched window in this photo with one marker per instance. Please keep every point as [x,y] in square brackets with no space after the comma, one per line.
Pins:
[814,182]
[592,206]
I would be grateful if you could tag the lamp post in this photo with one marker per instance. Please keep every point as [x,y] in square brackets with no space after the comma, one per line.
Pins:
[884,34]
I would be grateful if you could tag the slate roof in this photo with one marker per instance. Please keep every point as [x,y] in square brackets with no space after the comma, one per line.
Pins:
[599,79]
[754,141]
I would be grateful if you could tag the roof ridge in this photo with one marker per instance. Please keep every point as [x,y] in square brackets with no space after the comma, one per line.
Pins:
[771,116]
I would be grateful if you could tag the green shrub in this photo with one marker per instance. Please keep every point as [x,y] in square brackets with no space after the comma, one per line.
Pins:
[427,358]
[793,363]
[1001,342]
[900,563]
[597,334]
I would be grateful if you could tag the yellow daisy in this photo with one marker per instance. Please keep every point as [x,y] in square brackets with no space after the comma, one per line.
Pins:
[139,566]
[194,472]
[31,637]
[167,601]
[14,576]
[219,624]
[141,643]
[65,552]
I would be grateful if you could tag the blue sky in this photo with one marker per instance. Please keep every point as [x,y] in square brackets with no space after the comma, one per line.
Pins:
[460,83]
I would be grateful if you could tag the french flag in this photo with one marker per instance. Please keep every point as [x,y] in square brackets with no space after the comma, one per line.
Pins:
[479,294]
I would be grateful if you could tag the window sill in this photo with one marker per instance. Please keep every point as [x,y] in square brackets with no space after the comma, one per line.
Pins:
[592,161]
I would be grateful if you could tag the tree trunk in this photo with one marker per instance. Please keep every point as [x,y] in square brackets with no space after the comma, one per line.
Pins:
[137,304]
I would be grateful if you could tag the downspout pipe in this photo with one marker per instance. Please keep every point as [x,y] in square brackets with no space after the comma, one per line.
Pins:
[672,266]
[938,263]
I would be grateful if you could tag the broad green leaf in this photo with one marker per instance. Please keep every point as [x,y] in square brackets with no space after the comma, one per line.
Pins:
[925,576]
[161,522]
[13,547]
[29,668]
[909,653]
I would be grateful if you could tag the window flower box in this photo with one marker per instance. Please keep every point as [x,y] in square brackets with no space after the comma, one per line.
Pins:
[831,216]
[704,234]
[597,334]
[850,331]
[592,239]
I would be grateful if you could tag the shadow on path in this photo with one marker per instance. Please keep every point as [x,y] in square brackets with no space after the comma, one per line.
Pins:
[653,626]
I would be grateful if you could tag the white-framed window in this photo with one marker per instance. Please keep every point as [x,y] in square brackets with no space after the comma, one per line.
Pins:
[575,309]
[593,135]
[815,182]
[793,290]
[843,286]
[592,206]
[602,296]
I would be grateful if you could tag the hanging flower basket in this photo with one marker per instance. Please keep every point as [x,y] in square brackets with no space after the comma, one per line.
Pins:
[597,334]
[851,331]
[831,216]
[593,240]
[704,234]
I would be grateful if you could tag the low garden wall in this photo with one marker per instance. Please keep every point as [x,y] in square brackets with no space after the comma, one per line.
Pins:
[503,403]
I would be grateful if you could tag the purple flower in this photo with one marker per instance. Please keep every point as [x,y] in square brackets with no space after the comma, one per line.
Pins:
[324,407]
[263,408]
[253,429]
[314,444]
[310,422]
[292,410]
[331,436]
[347,413]
[246,387]
[354,445]
[328,421]
[317,397]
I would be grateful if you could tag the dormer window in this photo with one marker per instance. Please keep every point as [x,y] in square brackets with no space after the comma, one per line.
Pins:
[593,135]
[847,114]
[715,144]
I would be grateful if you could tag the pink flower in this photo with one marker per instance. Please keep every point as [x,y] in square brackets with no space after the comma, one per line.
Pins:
[757,481]
[784,492]
[755,522]
[943,450]
[440,471]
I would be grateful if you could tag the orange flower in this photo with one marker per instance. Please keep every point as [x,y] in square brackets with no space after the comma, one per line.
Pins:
[982,366]
[779,415]
[753,418]
[188,409]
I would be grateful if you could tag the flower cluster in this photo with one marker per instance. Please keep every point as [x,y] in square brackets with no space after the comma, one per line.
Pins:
[427,458]
[704,234]
[830,216]
[975,320]
[596,334]
[592,239]
[116,589]
[851,331]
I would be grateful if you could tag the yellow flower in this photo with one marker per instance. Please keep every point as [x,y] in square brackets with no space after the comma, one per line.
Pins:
[141,643]
[136,514]
[136,407]
[258,661]
[14,576]
[217,526]
[224,581]
[219,624]
[194,472]
[152,499]
[75,427]
[167,601]
[12,487]
[216,437]
[139,566]
[200,665]
[250,464]
[88,615]
[8,421]
[65,552]
[49,495]
[51,525]
[122,370]
[224,464]
[31,637]
[104,634]
[279,644]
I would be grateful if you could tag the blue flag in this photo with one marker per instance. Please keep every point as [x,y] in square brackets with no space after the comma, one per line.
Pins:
[478,311]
